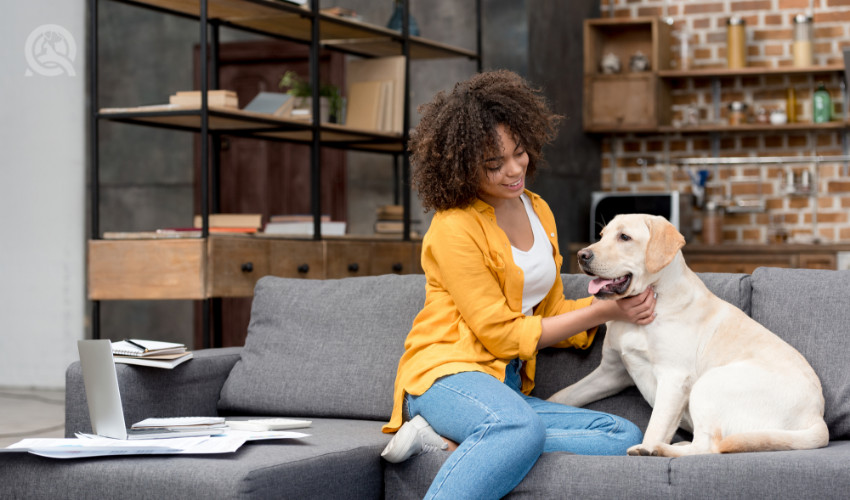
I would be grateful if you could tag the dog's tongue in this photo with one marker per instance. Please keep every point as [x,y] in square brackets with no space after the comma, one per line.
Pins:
[598,284]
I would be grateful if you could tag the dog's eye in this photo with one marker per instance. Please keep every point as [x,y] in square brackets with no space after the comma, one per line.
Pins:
[625,237]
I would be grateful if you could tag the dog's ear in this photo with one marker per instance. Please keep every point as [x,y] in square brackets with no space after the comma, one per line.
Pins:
[664,242]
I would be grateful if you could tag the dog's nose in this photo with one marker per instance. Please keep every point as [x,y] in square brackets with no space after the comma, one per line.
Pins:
[585,256]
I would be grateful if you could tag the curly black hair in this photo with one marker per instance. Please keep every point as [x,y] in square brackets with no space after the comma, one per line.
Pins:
[458,132]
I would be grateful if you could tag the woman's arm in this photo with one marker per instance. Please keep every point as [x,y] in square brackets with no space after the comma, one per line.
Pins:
[639,309]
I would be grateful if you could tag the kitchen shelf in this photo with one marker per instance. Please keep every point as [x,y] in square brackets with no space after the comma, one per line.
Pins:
[750,71]
[753,127]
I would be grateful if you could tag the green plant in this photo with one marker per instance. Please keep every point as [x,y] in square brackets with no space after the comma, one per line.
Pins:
[299,87]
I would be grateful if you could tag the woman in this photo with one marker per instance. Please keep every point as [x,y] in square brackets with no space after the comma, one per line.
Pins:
[494,297]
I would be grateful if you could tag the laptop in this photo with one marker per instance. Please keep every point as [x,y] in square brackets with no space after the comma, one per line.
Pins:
[101,382]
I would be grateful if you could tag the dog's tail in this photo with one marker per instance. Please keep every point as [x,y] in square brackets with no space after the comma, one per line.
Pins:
[816,436]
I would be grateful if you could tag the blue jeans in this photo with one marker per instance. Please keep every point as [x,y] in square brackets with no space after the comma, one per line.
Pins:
[502,432]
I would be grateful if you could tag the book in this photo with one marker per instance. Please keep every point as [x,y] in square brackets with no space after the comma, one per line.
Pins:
[167,361]
[363,105]
[390,212]
[297,218]
[272,103]
[192,99]
[329,228]
[231,221]
[144,348]
[380,69]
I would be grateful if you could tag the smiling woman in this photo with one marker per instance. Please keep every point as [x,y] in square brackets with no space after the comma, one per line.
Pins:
[494,298]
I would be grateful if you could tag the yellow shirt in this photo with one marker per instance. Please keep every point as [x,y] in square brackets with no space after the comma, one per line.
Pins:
[472,319]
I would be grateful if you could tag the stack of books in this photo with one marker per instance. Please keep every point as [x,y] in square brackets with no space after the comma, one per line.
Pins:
[302,225]
[215,98]
[390,221]
[375,94]
[152,353]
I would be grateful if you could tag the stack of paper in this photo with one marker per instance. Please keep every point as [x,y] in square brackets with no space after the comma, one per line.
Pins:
[150,353]
[87,445]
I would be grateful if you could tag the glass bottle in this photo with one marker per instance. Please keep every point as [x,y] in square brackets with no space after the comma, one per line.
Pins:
[803,37]
[791,104]
[821,105]
[736,38]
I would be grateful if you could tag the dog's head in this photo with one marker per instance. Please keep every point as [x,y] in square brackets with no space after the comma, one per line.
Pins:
[632,249]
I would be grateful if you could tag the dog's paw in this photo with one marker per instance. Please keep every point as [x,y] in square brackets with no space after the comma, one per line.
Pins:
[641,450]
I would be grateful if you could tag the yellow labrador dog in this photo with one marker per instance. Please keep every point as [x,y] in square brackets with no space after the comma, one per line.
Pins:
[702,364]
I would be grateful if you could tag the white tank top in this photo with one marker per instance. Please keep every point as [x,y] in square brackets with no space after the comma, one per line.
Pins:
[538,263]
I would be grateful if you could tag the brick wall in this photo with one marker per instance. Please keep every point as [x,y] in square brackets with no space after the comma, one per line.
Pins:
[642,163]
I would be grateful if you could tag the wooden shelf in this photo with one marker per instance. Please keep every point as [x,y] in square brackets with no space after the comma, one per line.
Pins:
[238,122]
[276,18]
[749,71]
[753,127]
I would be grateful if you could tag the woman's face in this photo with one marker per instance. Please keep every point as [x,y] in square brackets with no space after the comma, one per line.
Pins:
[503,175]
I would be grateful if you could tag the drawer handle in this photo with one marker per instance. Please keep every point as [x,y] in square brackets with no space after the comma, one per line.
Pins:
[248,267]
[304,269]
[397,267]
[353,267]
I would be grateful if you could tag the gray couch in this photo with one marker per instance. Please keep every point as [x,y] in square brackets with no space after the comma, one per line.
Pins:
[327,351]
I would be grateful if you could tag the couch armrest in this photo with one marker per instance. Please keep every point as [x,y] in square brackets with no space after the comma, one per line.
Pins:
[190,389]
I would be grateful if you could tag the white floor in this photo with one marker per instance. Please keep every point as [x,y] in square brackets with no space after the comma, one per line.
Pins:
[26,413]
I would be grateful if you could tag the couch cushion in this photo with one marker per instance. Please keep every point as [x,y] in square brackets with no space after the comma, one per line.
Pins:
[324,348]
[809,309]
[340,459]
[820,473]
[555,475]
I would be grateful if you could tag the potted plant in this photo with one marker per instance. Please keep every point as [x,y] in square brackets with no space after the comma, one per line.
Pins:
[302,91]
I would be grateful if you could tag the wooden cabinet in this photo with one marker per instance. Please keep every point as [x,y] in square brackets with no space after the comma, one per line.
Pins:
[747,258]
[222,266]
[628,100]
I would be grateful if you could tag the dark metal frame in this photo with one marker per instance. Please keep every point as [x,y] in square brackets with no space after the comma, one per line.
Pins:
[209,46]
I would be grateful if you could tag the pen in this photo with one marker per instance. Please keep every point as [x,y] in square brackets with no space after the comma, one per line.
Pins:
[143,348]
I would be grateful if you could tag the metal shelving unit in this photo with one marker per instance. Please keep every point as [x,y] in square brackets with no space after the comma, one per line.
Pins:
[283,21]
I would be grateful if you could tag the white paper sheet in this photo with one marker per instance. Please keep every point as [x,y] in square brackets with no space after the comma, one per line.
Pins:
[89,445]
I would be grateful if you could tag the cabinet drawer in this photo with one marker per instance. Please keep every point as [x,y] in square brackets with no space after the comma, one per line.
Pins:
[147,269]
[297,259]
[391,258]
[348,258]
[235,265]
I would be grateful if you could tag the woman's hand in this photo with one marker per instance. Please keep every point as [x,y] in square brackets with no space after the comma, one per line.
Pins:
[639,309]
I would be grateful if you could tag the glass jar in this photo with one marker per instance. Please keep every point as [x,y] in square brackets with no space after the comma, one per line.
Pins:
[685,59]
[736,43]
[803,38]
[821,105]
[712,224]
[737,113]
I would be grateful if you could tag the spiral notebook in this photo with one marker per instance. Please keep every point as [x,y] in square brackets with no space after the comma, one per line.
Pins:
[142,348]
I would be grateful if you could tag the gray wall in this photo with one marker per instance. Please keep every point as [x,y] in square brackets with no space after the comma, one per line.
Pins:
[42,182]
[555,47]
[146,174]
